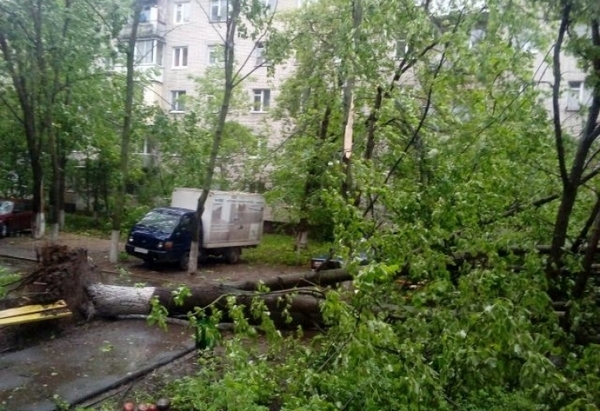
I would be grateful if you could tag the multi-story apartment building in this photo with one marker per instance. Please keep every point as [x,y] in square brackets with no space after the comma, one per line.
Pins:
[178,40]
[575,96]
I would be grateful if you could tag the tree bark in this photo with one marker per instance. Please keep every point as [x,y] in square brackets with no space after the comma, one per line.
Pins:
[302,306]
[125,135]
[232,20]
[572,180]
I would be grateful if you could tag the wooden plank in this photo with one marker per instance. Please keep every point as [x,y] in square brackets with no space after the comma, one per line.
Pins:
[31,309]
[28,318]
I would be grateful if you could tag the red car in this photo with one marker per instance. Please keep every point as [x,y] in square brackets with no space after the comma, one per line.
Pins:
[15,216]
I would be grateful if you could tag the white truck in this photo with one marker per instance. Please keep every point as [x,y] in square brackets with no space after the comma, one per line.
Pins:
[231,221]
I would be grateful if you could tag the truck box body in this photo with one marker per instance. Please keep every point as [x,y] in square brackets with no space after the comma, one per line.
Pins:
[231,221]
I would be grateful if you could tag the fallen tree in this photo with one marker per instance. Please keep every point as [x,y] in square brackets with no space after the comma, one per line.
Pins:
[69,275]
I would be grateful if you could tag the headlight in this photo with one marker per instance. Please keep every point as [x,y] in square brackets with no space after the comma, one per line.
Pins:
[160,245]
[130,239]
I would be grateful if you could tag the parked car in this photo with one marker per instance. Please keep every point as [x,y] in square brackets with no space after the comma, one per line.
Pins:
[327,262]
[15,216]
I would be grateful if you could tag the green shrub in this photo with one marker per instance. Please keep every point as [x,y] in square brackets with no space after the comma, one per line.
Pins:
[102,225]
[86,224]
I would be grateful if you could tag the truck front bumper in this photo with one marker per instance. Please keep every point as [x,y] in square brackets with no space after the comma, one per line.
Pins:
[151,255]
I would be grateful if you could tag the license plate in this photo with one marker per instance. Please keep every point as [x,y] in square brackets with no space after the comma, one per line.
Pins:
[140,250]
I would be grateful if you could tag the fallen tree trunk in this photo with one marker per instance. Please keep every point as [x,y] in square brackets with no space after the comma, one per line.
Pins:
[286,282]
[287,307]
[69,275]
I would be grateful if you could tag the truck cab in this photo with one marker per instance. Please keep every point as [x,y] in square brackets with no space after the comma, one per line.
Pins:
[163,235]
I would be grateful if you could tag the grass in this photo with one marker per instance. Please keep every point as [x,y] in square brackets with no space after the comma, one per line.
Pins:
[278,249]
[6,278]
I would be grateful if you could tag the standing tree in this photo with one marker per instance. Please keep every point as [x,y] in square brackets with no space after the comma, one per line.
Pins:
[245,19]
[578,35]
[48,49]
[126,130]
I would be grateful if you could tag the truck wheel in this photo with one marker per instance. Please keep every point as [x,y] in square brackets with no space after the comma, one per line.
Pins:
[232,255]
[184,261]
[3,230]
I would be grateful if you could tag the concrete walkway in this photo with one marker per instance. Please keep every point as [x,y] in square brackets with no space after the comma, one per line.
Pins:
[90,360]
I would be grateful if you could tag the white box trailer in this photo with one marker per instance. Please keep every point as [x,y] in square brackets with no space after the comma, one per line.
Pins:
[230,218]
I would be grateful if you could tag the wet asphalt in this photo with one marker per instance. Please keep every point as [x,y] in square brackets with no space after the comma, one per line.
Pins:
[87,362]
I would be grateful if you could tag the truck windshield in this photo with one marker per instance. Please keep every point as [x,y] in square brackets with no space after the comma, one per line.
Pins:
[160,220]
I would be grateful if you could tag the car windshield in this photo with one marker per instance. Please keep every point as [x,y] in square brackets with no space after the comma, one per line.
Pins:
[6,207]
[160,220]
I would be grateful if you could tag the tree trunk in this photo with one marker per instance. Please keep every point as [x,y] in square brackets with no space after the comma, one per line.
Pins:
[302,306]
[235,7]
[66,274]
[125,136]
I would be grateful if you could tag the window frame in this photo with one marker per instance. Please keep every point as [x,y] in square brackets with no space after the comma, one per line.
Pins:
[398,53]
[155,53]
[220,17]
[259,54]
[575,95]
[476,36]
[185,12]
[180,57]
[177,105]
[213,54]
[264,95]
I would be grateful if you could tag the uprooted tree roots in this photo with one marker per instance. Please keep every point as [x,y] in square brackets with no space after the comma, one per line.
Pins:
[62,274]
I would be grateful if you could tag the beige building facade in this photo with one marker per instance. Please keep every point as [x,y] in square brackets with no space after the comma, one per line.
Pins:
[179,40]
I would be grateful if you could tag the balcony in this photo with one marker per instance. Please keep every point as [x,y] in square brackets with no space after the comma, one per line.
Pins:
[151,24]
[150,29]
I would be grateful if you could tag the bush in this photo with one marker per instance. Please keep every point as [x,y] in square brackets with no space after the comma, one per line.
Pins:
[86,224]
[102,225]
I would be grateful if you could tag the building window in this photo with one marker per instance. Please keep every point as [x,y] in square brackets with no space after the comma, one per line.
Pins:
[259,52]
[475,37]
[271,4]
[525,41]
[218,10]
[148,52]
[178,100]
[212,104]
[575,95]
[180,56]
[401,49]
[215,54]
[146,14]
[181,13]
[262,99]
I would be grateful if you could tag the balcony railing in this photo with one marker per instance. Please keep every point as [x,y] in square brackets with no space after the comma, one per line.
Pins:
[153,29]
